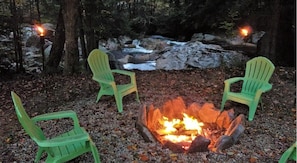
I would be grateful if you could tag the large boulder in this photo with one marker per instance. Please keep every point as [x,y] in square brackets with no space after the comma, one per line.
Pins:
[197,54]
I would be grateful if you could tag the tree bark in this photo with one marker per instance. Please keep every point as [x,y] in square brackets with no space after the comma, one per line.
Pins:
[286,34]
[57,49]
[273,31]
[82,38]
[278,42]
[89,20]
[70,15]
[17,37]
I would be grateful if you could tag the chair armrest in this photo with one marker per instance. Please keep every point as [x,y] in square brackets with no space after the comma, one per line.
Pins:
[230,81]
[102,80]
[123,72]
[233,80]
[60,141]
[264,88]
[58,115]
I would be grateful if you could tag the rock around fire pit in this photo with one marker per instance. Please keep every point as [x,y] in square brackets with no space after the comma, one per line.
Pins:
[209,129]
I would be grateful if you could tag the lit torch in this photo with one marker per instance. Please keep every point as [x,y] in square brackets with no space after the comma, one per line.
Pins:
[245,32]
[40,30]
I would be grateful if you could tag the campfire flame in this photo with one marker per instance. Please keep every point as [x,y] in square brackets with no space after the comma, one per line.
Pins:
[192,123]
[178,131]
[181,132]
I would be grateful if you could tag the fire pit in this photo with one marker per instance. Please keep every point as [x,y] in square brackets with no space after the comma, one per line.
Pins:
[189,129]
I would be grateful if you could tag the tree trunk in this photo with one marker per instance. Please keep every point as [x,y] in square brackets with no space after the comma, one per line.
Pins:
[89,20]
[278,42]
[82,38]
[286,34]
[70,15]
[17,37]
[57,47]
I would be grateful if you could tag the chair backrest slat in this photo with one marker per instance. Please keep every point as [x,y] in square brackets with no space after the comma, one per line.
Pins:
[99,64]
[258,72]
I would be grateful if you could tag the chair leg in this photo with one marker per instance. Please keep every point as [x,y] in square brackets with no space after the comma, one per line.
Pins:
[99,96]
[137,96]
[261,103]
[289,154]
[252,111]
[119,102]
[224,99]
[38,155]
[95,152]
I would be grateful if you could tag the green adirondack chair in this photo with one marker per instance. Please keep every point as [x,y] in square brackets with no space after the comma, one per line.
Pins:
[99,64]
[289,154]
[255,82]
[62,148]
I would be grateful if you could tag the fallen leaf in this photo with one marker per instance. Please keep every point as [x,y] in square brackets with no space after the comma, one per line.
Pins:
[173,157]
[132,147]
[143,157]
[253,160]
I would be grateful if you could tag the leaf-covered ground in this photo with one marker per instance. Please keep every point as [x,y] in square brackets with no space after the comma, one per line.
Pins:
[265,138]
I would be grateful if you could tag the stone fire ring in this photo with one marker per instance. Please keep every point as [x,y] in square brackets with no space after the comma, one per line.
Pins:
[231,127]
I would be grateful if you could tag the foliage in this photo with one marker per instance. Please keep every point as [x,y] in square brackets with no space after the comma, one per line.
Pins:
[179,19]
[107,21]
[229,24]
[112,18]
[49,11]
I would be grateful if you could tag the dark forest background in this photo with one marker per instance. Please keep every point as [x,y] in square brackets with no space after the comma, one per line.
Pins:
[177,19]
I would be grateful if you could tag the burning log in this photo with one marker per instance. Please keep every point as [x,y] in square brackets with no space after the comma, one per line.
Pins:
[186,132]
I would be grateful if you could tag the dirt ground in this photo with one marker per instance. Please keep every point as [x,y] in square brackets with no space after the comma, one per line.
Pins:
[265,138]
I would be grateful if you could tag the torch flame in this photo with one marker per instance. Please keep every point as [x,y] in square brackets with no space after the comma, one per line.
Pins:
[40,30]
[244,32]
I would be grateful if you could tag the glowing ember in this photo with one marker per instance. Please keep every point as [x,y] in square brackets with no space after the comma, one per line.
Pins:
[180,131]
[40,30]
